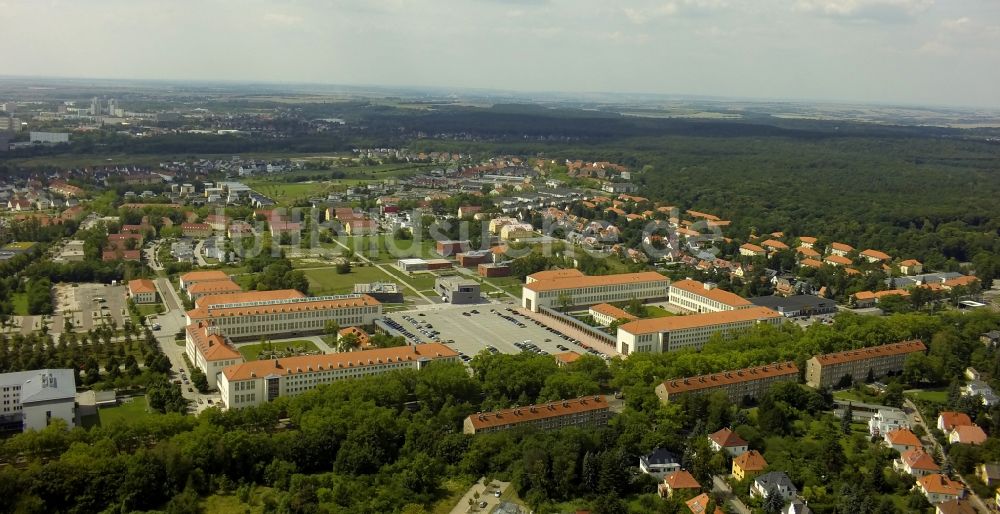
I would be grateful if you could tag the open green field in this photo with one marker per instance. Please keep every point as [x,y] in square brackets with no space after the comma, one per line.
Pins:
[286,193]
[251,352]
[131,409]
[20,304]
[384,248]
[146,309]
[510,284]
[324,281]
[938,395]
[19,246]
[422,281]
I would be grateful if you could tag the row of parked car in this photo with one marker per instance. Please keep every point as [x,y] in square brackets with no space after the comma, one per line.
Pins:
[509,317]
[401,329]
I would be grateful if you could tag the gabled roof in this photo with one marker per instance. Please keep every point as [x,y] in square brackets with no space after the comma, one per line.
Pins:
[710,292]
[775,479]
[141,285]
[871,352]
[953,419]
[726,438]
[842,247]
[594,281]
[752,247]
[771,243]
[917,458]
[956,506]
[681,480]
[334,361]
[750,461]
[837,259]
[699,504]
[969,434]
[875,254]
[903,437]
[940,484]
[610,310]
[517,415]
[707,319]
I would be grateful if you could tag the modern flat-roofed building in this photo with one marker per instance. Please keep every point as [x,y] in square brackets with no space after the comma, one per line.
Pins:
[285,317]
[704,297]
[737,384]
[259,382]
[411,264]
[188,279]
[661,335]
[583,411]
[203,289]
[142,290]
[385,292]
[828,369]
[796,305]
[32,399]
[457,290]
[605,314]
[590,290]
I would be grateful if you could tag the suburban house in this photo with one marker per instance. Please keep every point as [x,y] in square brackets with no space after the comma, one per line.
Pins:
[142,290]
[748,464]
[840,249]
[947,420]
[967,434]
[729,441]
[911,267]
[955,507]
[916,462]
[874,256]
[751,250]
[699,505]
[887,420]
[939,488]
[989,473]
[837,260]
[978,388]
[776,482]
[902,439]
[678,482]
[659,463]
[807,241]
[196,229]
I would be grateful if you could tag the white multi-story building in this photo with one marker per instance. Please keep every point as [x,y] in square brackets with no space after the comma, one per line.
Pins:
[209,351]
[243,317]
[32,399]
[704,297]
[672,333]
[590,290]
[259,382]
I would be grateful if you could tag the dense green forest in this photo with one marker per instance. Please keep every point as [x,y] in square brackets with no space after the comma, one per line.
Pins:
[359,446]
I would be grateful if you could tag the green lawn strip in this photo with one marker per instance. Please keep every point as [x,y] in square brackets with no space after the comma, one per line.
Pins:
[251,352]
[130,408]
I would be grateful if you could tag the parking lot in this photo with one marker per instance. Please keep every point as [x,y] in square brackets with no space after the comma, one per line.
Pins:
[89,303]
[470,329]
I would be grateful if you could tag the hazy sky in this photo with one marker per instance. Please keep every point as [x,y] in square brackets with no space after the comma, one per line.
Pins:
[943,52]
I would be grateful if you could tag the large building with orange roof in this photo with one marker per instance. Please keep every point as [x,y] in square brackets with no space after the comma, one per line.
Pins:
[259,382]
[584,411]
[671,333]
[210,351]
[829,369]
[245,316]
[696,296]
[590,290]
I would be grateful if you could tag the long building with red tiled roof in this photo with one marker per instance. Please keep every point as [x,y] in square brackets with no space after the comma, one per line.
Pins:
[828,369]
[590,290]
[209,351]
[586,410]
[193,277]
[259,382]
[285,317]
[202,289]
[696,296]
[737,384]
[671,333]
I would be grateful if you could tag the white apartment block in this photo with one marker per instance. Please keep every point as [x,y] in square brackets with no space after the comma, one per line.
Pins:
[209,351]
[672,333]
[697,296]
[259,382]
[590,290]
[32,399]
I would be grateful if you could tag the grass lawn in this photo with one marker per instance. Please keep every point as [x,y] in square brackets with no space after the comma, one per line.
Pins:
[145,309]
[653,311]
[230,504]
[325,281]
[510,284]
[384,248]
[939,395]
[20,304]
[250,352]
[456,490]
[129,409]
[422,281]
[852,395]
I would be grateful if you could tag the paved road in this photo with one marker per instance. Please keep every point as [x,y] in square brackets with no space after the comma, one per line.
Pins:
[199,248]
[486,494]
[719,485]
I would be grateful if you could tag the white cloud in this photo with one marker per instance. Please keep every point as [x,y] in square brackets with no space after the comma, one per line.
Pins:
[957,23]
[880,10]
[640,15]
[282,19]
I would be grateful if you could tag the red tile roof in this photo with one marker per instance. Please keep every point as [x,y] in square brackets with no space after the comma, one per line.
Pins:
[940,484]
[870,352]
[952,419]
[669,323]
[726,438]
[331,361]
[593,281]
[719,295]
[681,480]
[610,310]
[553,274]
[683,385]
[518,415]
[969,434]
[917,458]
[903,437]
[141,285]
[750,461]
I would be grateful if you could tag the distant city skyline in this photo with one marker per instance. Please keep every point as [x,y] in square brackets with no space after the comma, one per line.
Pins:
[924,52]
